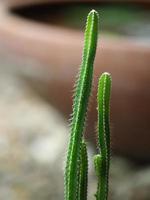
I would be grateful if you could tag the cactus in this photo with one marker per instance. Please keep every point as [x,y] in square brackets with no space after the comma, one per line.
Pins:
[82,93]
[76,170]
[102,161]
[83,173]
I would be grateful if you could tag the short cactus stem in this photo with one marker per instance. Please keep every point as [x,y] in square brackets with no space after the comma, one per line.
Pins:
[103,160]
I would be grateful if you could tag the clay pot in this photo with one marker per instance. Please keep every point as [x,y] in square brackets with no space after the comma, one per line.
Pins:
[52,55]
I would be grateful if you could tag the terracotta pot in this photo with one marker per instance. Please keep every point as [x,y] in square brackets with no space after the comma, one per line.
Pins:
[53,54]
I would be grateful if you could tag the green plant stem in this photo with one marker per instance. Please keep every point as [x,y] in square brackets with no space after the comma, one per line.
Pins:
[103,161]
[83,173]
[82,93]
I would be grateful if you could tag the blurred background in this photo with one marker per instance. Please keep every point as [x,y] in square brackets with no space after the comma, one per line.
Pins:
[40,52]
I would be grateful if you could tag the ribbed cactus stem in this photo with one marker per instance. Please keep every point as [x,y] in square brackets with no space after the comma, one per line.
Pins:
[102,161]
[82,93]
[83,173]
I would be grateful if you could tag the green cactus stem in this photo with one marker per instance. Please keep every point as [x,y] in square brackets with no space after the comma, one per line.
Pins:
[82,93]
[102,161]
[83,173]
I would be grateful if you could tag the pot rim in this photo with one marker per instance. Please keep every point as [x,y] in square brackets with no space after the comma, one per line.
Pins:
[14,3]
[26,32]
